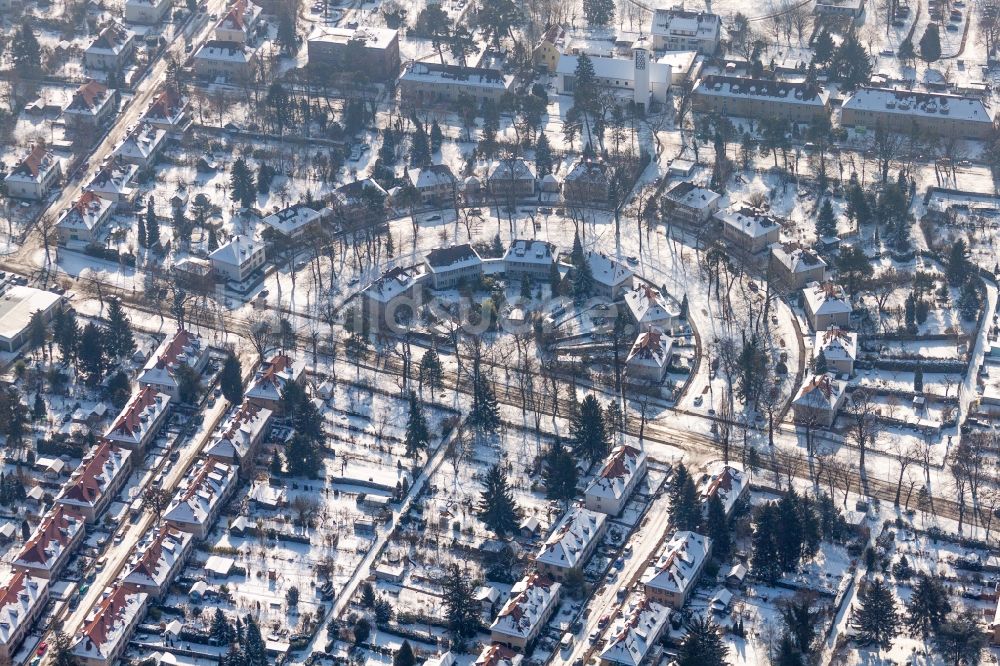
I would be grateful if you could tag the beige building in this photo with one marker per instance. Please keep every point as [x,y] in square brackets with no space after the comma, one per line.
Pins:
[230,61]
[429,83]
[549,48]
[826,304]
[750,229]
[572,542]
[796,266]
[109,626]
[146,12]
[674,572]
[678,29]
[690,204]
[22,599]
[839,348]
[35,175]
[587,183]
[532,602]
[819,400]
[917,113]
[375,50]
[396,293]
[760,98]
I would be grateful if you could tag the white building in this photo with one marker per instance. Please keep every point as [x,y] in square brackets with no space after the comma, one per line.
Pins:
[108,629]
[141,419]
[571,543]
[611,278]
[435,183]
[394,294]
[98,478]
[375,51]
[50,546]
[146,12]
[496,654]
[239,23]
[17,305]
[690,204]
[613,486]
[650,356]
[157,560]
[168,112]
[635,633]
[115,182]
[35,175]
[450,266]
[272,379]
[796,266]
[239,439]
[22,599]
[239,258]
[143,145]
[826,305]
[85,219]
[532,602]
[429,83]
[918,113]
[183,347]
[674,573]
[749,229]
[112,50]
[819,400]
[839,347]
[680,30]
[727,482]
[650,309]
[532,258]
[201,496]
[92,104]
[638,79]
[294,221]
[228,61]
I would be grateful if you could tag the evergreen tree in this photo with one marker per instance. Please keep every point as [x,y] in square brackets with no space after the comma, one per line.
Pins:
[928,607]
[462,610]
[820,365]
[231,379]
[876,616]
[684,307]
[958,263]
[766,563]
[497,507]
[37,331]
[13,417]
[583,282]
[598,12]
[485,413]
[906,52]
[62,650]
[823,47]
[152,225]
[560,473]
[930,43]
[718,527]
[437,137]
[420,150]
[368,597]
[851,64]
[969,301]
[38,410]
[430,371]
[961,639]
[590,436]
[221,631]
[826,221]
[140,231]
[918,380]
[576,256]
[302,456]
[417,436]
[66,333]
[787,654]
[404,655]
[543,155]
[800,623]
[120,342]
[685,507]
[213,239]
[702,644]
[242,188]
[188,384]
[91,358]
[789,537]
[253,644]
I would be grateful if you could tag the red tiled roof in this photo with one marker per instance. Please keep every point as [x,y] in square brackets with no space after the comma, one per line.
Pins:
[53,528]
[32,164]
[109,610]
[86,485]
[88,95]
[130,419]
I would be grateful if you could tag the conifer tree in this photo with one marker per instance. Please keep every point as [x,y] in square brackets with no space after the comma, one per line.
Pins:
[437,137]
[590,436]
[404,655]
[928,607]
[92,361]
[560,473]
[420,151]
[231,379]
[826,222]
[141,231]
[152,225]
[766,563]
[718,527]
[66,333]
[120,341]
[417,436]
[485,413]
[702,645]
[38,410]
[543,155]
[875,615]
[497,507]
[430,371]
[461,609]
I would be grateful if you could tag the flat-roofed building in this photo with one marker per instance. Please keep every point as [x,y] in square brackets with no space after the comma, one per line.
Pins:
[428,83]
[918,113]
[17,305]
[760,98]
[372,50]
[673,573]
[571,543]
[613,486]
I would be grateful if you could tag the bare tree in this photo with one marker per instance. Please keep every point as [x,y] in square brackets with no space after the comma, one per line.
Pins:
[864,426]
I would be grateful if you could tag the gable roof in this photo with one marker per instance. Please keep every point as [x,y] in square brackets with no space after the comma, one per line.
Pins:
[651,348]
[530,598]
[571,538]
[48,542]
[99,471]
[18,597]
[108,624]
[678,564]
[621,465]
[91,96]
[820,392]
[39,161]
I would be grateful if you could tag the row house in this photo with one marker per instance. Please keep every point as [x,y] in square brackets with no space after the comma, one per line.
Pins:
[203,493]
[532,602]
[272,379]
[108,628]
[35,175]
[182,348]
[670,578]
[613,486]
[141,419]
[157,560]
[918,113]
[113,49]
[85,220]
[97,480]
[238,441]
[50,546]
[571,543]
[430,83]
[22,600]
[634,635]
[798,101]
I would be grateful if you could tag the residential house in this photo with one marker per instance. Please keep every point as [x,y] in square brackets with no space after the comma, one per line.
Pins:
[141,418]
[687,203]
[727,482]
[587,182]
[918,113]
[238,441]
[182,348]
[359,204]
[18,304]
[430,83]
[571,543]
[826,305]
[649,308]
[143,145]
[228,61]
[115,183]
[50,546]
[533,600]
[549,48]
[633,636]
[157,560]
[450,266]
[293,222]
[239,258]
[85,220]
[168,112]
[798,101]
[496,654]
[201,496]
[529,258]
[611,278]
[239,23]
[650,356]
[108,629]
[678,29]
[396,294]
[613,486]
[511,178]
[796,266]
[752,230]
[673,574]
[93,103]
[271,380]
[146,12]
[374,51]
[840,349]
[22,599]
[97,480]
[436,184]
[819,400]
[34,175]
[839,8]
[113,49]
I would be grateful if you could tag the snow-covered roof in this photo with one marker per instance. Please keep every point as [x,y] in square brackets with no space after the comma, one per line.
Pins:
[114,178]
[826,298]
[373,38]
[588,171]
[17,304]
[531,251]
[632,635]
[431,177]
[787,92]
[184,347]
[678,21]
[606,270]
[156,557]
[273,376]
[837,344]
[914,103]
[110,623]
[353,193]
[100,469]
[241,16]
[690,196]
[571,538]
[530,598]
[87,212]
[452,258]
[112,40]
[725,481]
[219,51]
[142,413]
[820,392]
[202,489]
[511,169]
[496,654]
[649,306]
[50,538]
[293,218]
[621,465]
[618,69]
[651,348]
[167,107]
[749,221]
[142,142]
[240,430]
[89,98]
[395,281]
[236,250]
[456,75]
[795,258]
[19,596]
[679,561]
[33,168]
